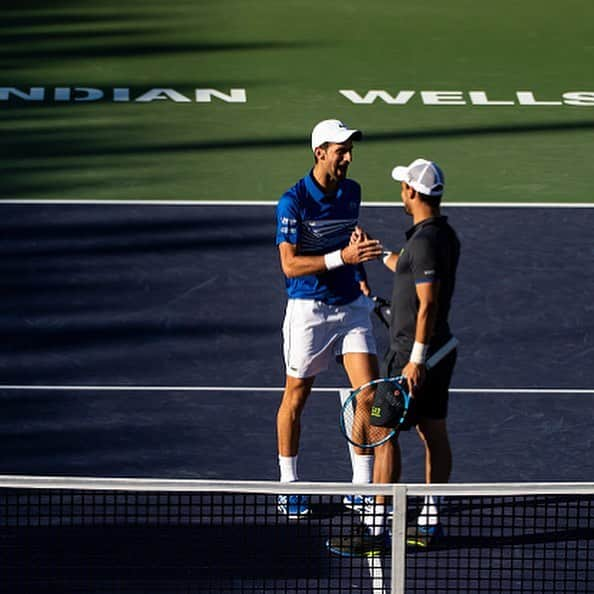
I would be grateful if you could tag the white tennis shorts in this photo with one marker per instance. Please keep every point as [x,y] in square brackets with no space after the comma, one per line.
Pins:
[315,333]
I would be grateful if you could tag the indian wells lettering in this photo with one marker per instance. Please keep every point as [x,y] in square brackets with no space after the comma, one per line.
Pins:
[33,95]
[525,98]
[119,95]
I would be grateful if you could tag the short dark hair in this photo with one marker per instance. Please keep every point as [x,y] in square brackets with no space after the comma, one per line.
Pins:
[431,200]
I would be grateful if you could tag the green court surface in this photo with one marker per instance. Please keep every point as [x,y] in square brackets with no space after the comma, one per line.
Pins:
[290,60]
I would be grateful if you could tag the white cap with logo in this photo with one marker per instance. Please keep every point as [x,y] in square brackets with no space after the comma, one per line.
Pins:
[426,177]
[332,131]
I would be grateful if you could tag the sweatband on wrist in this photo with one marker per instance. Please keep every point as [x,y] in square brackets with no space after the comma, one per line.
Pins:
[418,354]
[333,260]
[385,256]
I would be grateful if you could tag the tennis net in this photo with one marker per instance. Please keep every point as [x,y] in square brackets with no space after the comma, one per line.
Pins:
[137,535]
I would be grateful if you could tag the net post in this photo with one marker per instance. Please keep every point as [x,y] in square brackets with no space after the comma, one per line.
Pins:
[398,577]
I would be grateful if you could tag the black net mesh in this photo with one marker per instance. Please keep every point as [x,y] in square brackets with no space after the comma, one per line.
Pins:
[81,540]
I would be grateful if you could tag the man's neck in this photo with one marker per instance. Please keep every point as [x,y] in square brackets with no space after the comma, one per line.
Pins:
[324,181]
[424,212]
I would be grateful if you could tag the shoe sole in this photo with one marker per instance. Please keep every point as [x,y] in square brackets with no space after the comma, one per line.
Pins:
[343,553]
[423,542]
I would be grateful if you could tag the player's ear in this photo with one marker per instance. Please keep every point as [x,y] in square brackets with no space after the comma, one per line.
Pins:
[319,153]
[410,191]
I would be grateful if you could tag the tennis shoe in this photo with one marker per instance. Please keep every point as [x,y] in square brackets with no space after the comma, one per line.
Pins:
[423,536]
[358,503]
[359,544]
[293,506]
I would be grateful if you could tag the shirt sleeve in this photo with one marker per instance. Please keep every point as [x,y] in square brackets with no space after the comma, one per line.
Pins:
[425,262]
[287,221]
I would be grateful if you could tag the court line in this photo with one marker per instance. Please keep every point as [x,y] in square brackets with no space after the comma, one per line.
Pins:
[25,201]
[195,203]
[255,389]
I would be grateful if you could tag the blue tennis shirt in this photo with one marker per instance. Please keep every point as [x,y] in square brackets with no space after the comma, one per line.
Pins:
[318,223]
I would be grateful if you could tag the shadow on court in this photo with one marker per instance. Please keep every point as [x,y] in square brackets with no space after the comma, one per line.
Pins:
[157,299]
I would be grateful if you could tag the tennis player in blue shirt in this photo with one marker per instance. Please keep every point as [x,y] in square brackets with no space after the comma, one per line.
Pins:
[327,314]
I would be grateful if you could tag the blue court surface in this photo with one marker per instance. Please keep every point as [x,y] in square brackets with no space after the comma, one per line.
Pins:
[143,340]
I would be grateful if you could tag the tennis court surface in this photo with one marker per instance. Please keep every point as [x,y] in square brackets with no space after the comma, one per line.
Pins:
[143,341]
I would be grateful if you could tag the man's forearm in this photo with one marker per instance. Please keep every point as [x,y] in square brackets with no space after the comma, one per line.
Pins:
[304,265]
[425,322]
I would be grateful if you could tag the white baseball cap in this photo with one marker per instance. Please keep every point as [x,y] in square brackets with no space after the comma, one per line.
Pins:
[424,176]
[332,131]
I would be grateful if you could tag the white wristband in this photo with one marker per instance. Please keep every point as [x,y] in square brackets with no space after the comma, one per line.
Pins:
[333,260]
[385,256]
[419,353]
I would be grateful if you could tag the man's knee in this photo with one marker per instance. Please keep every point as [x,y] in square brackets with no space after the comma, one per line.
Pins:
[433,432]
[296,393]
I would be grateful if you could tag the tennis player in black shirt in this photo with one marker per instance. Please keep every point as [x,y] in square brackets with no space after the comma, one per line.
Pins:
[424,280]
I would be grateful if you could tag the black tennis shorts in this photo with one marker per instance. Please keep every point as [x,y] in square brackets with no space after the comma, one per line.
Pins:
[431,400]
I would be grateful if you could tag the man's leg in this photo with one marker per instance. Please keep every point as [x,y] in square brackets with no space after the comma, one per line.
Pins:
[388,465]
[361,368]
[288,419]
[438,467]
[288,422]
[438,453]
[379,468]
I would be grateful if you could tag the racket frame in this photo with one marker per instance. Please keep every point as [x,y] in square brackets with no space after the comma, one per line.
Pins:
[393,431]
[448,347]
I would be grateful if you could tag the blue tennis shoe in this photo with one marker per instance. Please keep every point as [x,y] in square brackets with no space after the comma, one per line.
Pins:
[358,503]
[293,506]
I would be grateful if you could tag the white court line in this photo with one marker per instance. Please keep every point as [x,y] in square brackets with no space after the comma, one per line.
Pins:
[272,203]
[252,389]
[444,205]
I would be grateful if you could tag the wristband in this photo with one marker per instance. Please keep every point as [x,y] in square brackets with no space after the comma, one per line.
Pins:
[333,260]
[385,256]
[419,353]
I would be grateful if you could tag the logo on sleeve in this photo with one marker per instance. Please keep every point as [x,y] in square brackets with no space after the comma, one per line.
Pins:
[288,226]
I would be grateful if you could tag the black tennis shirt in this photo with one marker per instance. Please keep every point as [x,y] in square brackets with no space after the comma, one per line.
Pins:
[431,253]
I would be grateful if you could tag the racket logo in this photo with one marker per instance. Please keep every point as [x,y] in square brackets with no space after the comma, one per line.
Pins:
[376,411]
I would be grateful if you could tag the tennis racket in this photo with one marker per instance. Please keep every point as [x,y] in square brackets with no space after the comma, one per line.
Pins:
[358,412]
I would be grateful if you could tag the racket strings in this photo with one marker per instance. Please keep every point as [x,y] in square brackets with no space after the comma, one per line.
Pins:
[357,416]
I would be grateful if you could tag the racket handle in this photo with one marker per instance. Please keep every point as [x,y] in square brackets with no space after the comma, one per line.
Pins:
[438,355]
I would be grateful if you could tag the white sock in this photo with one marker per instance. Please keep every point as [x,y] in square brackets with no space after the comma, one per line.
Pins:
[375,522]
[429,514]
[288,469]
[362,469]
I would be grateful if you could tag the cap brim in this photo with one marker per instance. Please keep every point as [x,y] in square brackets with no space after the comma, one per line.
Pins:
[348,135]
[400,173]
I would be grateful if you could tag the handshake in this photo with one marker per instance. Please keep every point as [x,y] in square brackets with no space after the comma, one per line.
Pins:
[361,248]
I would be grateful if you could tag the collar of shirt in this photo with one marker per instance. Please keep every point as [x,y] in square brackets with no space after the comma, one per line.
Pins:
[317,193]
[440,220]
